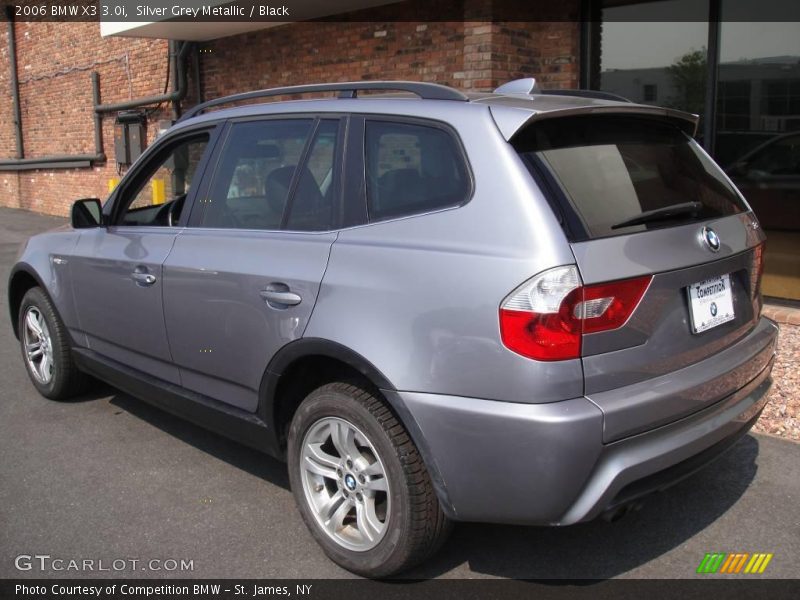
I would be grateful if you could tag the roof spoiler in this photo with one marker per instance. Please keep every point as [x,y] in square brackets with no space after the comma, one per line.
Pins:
[511,121]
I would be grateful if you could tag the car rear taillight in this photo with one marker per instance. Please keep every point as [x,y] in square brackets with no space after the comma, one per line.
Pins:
[546,316]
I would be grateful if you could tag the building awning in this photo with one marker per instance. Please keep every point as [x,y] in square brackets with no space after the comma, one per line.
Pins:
[172,21]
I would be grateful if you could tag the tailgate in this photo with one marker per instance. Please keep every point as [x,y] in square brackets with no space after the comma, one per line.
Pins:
[638,198]
[656,368]
[660,337]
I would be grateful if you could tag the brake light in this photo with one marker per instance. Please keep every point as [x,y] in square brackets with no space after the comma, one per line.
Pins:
[546,316]
[617,300]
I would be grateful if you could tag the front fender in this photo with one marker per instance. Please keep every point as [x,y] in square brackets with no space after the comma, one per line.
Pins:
[44,258]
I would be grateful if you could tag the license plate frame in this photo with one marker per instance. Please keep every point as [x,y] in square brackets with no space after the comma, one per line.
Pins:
[710,303]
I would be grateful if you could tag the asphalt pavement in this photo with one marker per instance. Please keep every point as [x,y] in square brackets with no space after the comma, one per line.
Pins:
[108,478]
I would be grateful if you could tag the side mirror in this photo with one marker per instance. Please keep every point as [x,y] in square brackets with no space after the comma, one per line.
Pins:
[86,213]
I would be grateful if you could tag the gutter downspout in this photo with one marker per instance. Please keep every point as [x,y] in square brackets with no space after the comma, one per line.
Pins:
[198,82]
[178,73]
[64,161]
[68,161]
[12,62]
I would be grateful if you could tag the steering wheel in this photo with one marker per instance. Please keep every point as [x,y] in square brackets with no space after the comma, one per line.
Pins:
[174,210]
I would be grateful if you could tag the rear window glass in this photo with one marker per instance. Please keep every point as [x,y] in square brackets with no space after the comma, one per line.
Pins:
[412,169]
[609,170]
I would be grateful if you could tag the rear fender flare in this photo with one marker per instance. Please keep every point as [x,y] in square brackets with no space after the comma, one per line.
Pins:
[305,347]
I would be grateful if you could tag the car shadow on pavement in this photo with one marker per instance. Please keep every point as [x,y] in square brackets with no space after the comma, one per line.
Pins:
[599,550]
[233,453]
[97,390]
[590,551]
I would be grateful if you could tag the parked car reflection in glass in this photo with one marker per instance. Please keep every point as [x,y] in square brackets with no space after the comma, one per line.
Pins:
[769,177]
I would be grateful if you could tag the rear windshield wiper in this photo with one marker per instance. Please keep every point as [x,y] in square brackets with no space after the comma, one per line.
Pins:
[662,214]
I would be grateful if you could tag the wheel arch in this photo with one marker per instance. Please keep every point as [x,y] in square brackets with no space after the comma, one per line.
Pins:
[305,364]
[23,277]
[303,355]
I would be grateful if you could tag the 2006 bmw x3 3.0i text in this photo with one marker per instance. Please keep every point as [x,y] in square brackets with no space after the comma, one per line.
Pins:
[509,307]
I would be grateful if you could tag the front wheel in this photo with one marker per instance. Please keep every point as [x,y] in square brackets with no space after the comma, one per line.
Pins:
[46,349]
[360,483]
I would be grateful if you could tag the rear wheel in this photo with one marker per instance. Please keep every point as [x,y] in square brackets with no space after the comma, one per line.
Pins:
[360,483]
[45,348]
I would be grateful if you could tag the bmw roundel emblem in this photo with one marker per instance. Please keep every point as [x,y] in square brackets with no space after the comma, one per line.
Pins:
[713,309]
[711,239]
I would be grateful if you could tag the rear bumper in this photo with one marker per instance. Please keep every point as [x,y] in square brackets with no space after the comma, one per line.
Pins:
[648,404]
[547,464]
[649,462]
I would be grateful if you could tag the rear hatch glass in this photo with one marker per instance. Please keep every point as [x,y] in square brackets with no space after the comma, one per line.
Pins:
[635,195]
[620,174]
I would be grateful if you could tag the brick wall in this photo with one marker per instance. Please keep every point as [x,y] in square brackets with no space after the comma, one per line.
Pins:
[54,65]
[547,50]
[471,55]
[55,61]
[9,184]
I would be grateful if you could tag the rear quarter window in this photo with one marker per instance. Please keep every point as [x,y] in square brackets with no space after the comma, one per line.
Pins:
[412,169]
[607,170]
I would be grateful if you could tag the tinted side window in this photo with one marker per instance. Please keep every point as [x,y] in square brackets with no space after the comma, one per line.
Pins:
[311,205]
[158,196]
[257,165]
[412,169]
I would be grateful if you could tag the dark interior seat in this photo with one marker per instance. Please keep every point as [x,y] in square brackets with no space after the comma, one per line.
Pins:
[308,204]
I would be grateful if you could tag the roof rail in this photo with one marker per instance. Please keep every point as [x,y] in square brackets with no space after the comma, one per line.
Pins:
[596,94]
[426,91]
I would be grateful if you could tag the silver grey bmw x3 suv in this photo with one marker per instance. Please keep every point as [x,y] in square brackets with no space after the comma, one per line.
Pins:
[509,307]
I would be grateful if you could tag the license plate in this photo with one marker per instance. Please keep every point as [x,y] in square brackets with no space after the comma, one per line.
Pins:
[710,303]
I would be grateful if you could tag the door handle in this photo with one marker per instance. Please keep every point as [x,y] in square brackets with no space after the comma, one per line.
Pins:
[143,278]
[285,298]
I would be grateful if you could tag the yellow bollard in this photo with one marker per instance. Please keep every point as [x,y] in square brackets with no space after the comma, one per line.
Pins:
[159,191]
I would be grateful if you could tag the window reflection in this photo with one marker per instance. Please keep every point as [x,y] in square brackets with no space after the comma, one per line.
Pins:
[648,57]
[758,94]
[758,134]
[655,52]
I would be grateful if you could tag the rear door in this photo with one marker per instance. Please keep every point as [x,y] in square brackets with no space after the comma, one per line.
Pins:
[638,197]
[243,278]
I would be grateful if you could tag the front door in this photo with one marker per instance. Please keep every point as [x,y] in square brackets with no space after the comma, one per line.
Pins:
[117,270]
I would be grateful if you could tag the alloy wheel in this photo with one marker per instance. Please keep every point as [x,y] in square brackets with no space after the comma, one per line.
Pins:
[345,484]
[38,345]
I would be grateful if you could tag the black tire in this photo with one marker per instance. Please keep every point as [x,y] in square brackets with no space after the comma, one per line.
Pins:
[66,381]
[416,527]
